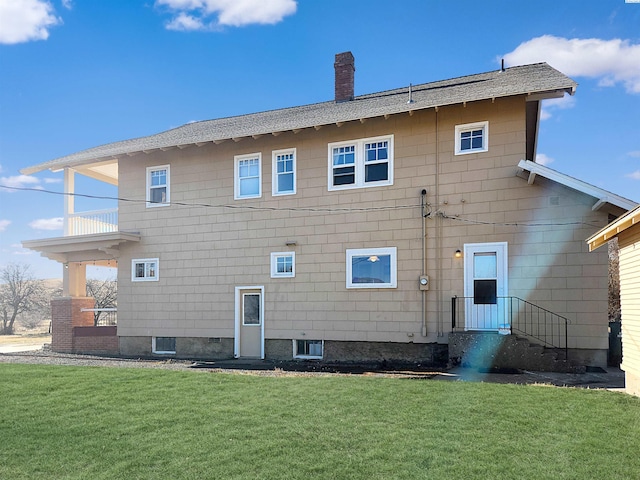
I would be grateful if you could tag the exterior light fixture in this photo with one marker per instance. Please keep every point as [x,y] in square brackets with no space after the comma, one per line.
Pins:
[458,254]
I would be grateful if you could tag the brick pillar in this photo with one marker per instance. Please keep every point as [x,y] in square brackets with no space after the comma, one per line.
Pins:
[66,313]
[345,68]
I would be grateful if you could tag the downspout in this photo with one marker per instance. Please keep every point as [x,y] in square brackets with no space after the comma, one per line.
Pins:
[438,235]
[423,198]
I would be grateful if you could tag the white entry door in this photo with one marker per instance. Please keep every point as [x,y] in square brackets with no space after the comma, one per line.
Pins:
[485,286]
[249,341]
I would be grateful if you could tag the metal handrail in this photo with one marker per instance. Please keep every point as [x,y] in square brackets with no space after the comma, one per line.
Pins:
[515,315]
[103,316]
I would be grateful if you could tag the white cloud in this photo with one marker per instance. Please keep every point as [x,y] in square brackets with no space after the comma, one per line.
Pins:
[47,224]
[610,61]
[52,180]
[186,23]
[634,154]
[4,224]
[18,181]
[197,14]
[26,20]
[18,249]
[635,175]
[543,159]
[68,4]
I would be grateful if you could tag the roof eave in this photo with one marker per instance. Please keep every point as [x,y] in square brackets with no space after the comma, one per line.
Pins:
[612,230]
[602,196]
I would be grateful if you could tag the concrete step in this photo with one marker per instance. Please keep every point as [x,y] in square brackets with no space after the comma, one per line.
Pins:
[490,350]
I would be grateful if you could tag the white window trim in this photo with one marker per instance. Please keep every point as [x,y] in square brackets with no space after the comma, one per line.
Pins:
[236,178]
[274,265]
[274,170]
[472,126]
[360,163]
[145,279]
[160,352]
[167,201]
[357,252]
[307,357]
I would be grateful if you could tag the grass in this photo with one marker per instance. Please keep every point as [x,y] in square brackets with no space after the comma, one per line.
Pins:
[102,423]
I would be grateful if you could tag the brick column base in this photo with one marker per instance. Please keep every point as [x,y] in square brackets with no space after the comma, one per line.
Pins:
[66,313]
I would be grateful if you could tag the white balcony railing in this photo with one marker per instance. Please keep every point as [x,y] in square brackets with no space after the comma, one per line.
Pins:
[87,223]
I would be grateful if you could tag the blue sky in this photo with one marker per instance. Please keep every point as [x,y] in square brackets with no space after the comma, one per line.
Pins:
[75,74]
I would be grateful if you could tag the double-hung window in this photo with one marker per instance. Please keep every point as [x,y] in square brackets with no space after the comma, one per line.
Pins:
[472,138]
[361,163]
[144,270]
[158,186]
[372,268]
[248,176]
[284,172]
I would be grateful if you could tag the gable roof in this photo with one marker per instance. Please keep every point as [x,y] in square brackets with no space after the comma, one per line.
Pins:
[602,196]
[537,80]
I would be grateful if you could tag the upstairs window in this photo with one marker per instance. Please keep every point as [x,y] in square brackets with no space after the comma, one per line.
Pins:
[361,163]
[248,176]
[144,270]
[158,186]
[472,138]
[284,172]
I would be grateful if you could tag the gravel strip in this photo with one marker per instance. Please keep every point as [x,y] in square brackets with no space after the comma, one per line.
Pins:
[47,357]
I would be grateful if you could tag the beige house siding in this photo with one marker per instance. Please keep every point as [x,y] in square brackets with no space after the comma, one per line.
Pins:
[205,252]
[629,242]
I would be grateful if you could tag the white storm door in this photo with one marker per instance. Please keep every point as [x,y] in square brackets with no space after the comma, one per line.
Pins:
[485,286]
[249,341]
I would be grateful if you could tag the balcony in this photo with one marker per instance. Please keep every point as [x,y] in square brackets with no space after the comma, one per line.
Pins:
[91,223]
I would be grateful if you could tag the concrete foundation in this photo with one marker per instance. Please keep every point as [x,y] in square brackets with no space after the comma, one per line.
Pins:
[631,382]
[430,354]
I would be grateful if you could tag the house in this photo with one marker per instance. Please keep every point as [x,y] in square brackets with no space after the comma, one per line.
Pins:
[627,230]
[404,225]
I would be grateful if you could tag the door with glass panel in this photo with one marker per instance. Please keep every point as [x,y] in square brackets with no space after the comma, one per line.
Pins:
[485,286]
[249,323]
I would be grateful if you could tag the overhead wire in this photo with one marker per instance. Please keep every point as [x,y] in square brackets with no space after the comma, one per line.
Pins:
[417,205]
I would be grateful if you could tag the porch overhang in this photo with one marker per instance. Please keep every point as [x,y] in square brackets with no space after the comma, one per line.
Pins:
[603,200]
[97,248]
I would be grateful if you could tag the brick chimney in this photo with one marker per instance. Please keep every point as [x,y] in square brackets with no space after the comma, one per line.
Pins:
[345,68]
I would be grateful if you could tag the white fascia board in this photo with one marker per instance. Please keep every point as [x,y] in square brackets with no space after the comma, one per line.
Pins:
[602,196]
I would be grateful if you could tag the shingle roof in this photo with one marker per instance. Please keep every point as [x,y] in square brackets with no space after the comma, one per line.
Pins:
[527,79]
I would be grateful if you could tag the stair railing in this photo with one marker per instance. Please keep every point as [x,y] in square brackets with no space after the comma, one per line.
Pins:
[510,315]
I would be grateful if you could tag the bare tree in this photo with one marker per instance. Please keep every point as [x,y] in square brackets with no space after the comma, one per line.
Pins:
[105,293]
[20,293]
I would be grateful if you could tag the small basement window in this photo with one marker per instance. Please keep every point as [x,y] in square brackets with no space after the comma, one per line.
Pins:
[310,349]
[164,345]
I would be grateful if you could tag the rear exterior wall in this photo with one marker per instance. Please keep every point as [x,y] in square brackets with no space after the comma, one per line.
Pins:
[206,251]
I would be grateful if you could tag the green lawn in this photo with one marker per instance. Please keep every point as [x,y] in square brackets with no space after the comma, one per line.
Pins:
[109,423]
